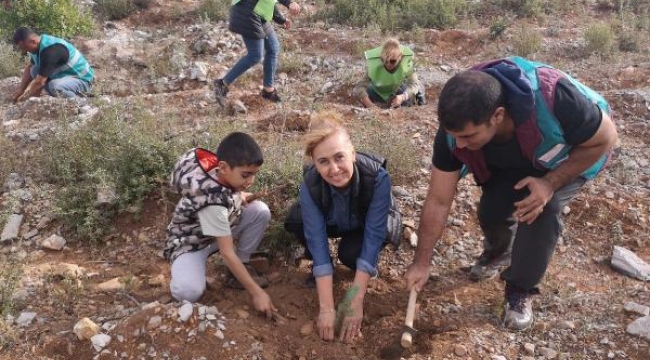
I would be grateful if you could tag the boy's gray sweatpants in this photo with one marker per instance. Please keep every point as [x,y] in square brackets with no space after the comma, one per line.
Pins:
[188,270]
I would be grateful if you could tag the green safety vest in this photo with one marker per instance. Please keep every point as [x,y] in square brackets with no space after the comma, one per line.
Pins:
[385,83]
[76,66]
[264,8]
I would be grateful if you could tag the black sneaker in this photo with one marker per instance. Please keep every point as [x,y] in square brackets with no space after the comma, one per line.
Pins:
[518,314]
[220,92]
[420,99]
[273,95]
[488,266]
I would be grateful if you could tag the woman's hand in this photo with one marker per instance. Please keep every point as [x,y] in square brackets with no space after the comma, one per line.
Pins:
[325,324]
[351,326]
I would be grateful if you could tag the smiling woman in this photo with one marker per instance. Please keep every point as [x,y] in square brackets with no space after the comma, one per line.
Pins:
[344,194]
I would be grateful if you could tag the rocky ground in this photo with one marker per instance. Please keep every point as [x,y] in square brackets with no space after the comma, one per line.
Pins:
[163,59]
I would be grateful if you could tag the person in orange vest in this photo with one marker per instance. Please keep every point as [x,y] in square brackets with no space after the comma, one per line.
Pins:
[390,77]
[252,19]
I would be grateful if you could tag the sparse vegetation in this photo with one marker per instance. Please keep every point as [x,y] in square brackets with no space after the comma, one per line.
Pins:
[125,157]
[116,9]
[61,18]
[526,41]
[599,38]
[11,62]
[401,14]
[628,42]
[498,28]
[525,8]
[214,10]
[10,274]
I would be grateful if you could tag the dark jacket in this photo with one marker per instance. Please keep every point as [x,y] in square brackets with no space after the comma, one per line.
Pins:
[248,24]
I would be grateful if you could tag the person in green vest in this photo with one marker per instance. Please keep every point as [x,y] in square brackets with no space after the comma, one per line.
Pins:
[253,20]
[390,77]
[55,66]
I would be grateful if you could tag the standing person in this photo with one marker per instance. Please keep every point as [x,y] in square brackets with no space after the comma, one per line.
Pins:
[345,194]
[55,66]
[531,136]
[390,77]
[252,20]
[211,213]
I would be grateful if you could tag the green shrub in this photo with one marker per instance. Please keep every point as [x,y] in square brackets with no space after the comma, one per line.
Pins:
[396,14]
[214,10]
[55,17]
[525,8]
[11,63]
[10,274]
[127,158]
[498,28]
[599,38]
[143,4]
[115,9]
[526,42]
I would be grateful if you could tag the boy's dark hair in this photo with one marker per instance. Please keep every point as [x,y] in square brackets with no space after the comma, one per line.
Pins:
[239,149]
[22,34]
[470,96]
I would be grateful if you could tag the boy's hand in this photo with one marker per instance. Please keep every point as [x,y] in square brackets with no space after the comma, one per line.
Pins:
[262,303]
[287,24]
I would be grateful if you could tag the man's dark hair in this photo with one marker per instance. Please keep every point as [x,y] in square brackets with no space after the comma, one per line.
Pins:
[470,96]
[239,149]
[22,34]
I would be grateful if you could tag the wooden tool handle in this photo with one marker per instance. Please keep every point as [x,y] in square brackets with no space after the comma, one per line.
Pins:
[407,337]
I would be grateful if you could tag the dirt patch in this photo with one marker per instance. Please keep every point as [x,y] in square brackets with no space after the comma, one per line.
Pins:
[293,121]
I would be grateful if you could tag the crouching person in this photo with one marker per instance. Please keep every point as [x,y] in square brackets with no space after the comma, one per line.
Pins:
[344,194]
[211,214]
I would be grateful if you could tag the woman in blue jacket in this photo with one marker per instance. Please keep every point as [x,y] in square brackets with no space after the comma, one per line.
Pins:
[252,19]
[345,194]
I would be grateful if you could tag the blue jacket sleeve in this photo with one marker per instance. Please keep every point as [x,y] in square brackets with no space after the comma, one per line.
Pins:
[374,233]
[315,234]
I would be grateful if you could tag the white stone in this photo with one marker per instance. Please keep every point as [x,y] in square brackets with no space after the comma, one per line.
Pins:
[199,71]
[154,322]
[630,264]
[85,329]
[637,308]
[640,327]
[54,242]
[25,318]
[185,311]
[100,341]
[111,285]
[219,334]
[327,87]
[68,270]
[547,353]
[529,348]
[10,231]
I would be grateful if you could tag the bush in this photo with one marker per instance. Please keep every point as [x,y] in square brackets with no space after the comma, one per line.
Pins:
[396,14]
[60,18]
[11,63]
[599,38]
[498,28]
[115,9]
[526,42]
[124,159]
[215,10]
[525,8]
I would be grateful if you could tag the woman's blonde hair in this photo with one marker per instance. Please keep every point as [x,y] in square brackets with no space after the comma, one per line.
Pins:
[323,125]
[391,49]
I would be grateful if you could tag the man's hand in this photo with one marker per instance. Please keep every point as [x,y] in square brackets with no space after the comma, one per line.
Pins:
[325,324]
[416,276]
[367,102]
[397,101]
[262,303]
[351,326]
[287,24]
[294,8]
[541,192]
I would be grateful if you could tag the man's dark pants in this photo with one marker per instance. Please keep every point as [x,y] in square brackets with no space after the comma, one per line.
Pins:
[532,245]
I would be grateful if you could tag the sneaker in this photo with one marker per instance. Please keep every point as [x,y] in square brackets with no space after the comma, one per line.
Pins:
[273,95]
[233,283]
[488,266]
[220,91]
[420,99]
[518,313]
